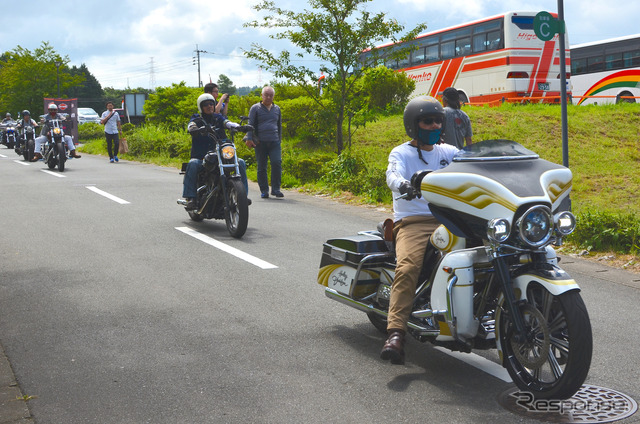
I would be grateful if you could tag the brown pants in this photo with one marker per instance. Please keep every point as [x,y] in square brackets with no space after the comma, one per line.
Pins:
[411,237]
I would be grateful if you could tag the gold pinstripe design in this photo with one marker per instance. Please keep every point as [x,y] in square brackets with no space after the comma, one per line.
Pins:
[556,189]
[471,195]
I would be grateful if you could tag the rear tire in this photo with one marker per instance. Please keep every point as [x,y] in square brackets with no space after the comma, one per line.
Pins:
[619,98]
[237,211]
[378,321]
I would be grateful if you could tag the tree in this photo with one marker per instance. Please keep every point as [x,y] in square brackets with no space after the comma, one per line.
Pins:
[331,33]
[225,85]
[26,78]
[172,106]
[89,93]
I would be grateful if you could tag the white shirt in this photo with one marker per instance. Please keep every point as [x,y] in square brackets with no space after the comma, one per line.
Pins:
[403,163]
[111,126]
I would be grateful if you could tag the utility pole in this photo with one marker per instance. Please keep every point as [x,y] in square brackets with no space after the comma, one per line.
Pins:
[152,76]
[198,51]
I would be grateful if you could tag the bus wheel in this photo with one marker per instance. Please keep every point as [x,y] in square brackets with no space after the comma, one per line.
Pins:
[619,98]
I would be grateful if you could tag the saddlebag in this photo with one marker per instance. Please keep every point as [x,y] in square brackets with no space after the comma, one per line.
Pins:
[351,265]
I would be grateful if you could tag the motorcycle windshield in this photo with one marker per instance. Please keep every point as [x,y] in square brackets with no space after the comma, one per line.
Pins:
[494,150]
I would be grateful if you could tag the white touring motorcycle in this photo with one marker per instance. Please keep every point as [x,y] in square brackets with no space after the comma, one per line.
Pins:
[490,277]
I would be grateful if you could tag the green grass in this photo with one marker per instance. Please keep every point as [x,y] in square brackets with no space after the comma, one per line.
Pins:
[604,156]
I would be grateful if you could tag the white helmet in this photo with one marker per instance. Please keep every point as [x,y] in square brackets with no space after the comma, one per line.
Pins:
[202,98]
[52,106]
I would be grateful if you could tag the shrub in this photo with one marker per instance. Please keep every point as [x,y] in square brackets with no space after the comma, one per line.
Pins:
[90,131]
[608,231]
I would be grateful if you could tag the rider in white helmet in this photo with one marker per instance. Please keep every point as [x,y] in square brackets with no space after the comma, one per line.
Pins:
[201,144]
[46,132]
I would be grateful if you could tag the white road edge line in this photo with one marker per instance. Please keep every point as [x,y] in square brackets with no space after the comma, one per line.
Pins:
[22,162]
[3,156]
[226,248]
[479,362]
[107,195]
[55,174]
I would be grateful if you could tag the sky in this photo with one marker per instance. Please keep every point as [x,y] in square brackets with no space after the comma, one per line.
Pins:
[153,43]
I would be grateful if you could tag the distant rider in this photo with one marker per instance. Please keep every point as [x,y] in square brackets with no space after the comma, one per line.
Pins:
[46,132]
[26,120]
[201,144]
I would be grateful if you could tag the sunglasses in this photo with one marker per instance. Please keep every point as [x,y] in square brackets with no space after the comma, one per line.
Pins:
[431,119]
[205,104]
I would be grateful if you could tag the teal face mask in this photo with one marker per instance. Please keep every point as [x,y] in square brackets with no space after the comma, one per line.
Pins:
[430,137]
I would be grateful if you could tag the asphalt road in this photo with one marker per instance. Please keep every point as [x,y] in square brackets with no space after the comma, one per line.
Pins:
[116,308]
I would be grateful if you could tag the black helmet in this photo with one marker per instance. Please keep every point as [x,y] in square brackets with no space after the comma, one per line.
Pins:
[416,109]
[26,113]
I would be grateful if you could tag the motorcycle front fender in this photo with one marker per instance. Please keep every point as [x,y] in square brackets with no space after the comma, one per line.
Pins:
[554,279]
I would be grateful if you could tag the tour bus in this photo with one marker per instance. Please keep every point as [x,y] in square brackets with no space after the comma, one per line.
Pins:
[606,71]
[491,60]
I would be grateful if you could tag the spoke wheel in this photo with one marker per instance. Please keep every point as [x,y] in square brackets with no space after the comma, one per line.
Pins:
[237,211]
[553,361]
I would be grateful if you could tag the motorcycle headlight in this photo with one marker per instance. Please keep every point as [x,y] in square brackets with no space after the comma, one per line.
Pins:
[535,226]
[498,230]
[565,223]
[228,152]
[56,131]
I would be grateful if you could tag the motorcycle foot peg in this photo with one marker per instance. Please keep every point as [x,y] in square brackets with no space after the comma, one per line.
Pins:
[182,202]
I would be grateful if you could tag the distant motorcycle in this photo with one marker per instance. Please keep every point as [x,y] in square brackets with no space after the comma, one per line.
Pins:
[221,194]
[490,277]
[9,134]
[26,142]
[54,150]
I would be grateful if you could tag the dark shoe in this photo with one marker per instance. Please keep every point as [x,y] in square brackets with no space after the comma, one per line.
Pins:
[393,348]
[248,201]
[277,193]
[191,204]
[73,154]
[36,157]
[264,195]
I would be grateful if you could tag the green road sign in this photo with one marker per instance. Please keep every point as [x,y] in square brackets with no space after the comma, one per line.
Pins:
[545,26]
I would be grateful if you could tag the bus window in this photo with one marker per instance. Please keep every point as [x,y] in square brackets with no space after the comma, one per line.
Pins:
[631,59]
[523,22]
[494,40]
[431,53]
[479,43]
[613,61]
[463,46]
[417,56]
[448,49]
[404,62]
[578,66]
[595,64]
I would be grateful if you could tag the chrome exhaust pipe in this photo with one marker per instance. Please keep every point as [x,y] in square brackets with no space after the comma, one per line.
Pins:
[366,307]
[182,202]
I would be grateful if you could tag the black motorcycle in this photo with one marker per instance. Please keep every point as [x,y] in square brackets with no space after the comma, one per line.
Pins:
[221,193]
[26,142]
[54,150]
[9,134]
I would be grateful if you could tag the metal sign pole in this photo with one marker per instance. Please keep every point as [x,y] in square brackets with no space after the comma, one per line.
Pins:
[563,84]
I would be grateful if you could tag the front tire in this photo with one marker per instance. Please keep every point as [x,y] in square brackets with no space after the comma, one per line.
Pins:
[29,149]
[554,360]
[237,211]
[62,157]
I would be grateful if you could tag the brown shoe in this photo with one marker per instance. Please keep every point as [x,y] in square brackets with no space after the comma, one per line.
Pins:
[393,348]
[73,154]
[36,157]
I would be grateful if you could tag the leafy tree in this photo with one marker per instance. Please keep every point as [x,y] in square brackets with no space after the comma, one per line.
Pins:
[172,106]
[26,78]
[332,33]
[89,93]
[225,85]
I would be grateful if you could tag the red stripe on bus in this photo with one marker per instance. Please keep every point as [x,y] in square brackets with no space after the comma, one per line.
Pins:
[446,76]
[484,64]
